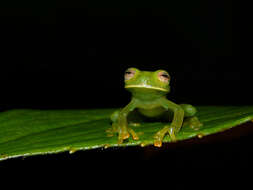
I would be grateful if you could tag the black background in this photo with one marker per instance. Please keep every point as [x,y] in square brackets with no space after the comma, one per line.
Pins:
[65,56]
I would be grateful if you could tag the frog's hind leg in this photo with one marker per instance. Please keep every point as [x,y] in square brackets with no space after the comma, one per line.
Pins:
[190,119]
[114,117]
[192,122]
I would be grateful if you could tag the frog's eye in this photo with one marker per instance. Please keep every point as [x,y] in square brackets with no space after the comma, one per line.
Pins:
[163,76]
[129,73]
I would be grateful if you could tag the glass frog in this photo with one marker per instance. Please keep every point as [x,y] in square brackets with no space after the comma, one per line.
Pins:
[149,91]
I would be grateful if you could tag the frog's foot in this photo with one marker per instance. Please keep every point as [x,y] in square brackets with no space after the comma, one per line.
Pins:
[111,130]
[125,134]
[193,123]
[158,138]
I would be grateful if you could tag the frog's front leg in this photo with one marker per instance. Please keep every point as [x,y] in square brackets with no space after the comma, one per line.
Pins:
[175,125]
[120,124]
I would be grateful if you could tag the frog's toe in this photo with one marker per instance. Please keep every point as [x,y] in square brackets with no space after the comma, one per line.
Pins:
[120,140]
[193,123]
[122,136]
[109,130]
[134,135]
[196,126]
[123,133]
[157,143]
[158,138]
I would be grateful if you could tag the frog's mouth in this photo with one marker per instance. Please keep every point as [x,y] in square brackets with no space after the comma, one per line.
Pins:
[147,86]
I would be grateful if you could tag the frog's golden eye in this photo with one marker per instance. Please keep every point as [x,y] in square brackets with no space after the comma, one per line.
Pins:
[164,76]
[129,73]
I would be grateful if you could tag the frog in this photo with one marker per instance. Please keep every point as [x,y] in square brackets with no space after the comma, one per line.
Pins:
[149,91]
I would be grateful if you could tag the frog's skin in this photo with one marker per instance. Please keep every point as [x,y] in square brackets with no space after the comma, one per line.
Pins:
[149,91]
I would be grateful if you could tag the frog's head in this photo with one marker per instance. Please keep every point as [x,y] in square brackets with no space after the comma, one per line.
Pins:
[155,81]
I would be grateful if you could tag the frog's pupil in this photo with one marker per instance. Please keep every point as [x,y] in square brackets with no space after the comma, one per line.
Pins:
[128,72]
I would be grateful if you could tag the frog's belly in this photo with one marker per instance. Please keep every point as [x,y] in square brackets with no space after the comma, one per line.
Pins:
[153,112]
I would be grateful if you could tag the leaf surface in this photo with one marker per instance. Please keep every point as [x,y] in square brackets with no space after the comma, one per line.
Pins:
[32,132]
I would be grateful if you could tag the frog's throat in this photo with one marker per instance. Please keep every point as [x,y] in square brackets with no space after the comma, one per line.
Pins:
[146,86]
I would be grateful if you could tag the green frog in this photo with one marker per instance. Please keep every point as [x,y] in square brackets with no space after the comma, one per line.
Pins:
[149,90]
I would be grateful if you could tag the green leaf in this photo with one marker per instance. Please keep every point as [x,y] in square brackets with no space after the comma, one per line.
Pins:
[32,132]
